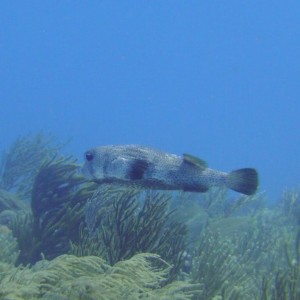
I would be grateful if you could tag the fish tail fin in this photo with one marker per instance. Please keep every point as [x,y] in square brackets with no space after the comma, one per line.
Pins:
[244,181]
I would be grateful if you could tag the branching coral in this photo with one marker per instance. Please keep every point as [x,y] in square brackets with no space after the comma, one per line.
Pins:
[125,222]
[8,246]
[9,201]
[70,277]
[22,162]
[216,203]
[22,229]
[237,253]
[58,198]
[286,284]
[290,204]
[219,269]
[234,243]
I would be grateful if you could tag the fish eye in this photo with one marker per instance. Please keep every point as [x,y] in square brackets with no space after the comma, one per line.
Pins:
[89,156]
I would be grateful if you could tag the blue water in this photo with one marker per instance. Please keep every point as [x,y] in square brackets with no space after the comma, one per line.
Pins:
[217,79]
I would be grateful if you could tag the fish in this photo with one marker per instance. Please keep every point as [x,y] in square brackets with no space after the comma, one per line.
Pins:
[149,168]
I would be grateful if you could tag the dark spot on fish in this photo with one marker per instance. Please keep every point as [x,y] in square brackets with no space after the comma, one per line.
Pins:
[89,156]
[137,169]
[106,163]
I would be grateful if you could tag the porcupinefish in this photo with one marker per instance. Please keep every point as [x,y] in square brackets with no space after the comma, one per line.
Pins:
[149,168]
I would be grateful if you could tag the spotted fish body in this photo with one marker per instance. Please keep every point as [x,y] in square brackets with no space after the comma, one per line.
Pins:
[150,168]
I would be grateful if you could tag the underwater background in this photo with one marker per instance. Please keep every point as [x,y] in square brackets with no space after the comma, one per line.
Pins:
[216,79]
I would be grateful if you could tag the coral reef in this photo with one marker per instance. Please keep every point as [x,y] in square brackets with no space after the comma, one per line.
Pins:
[8,246]
[133,244]
[129,222]
[22,229]
[10,206]
[90,277]
[290,204]
[220,270]
[10,201]
[58,198]
[286,284]
[23,160]
[232,254]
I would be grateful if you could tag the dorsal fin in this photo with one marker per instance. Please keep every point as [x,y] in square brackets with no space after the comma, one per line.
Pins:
[193,160]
